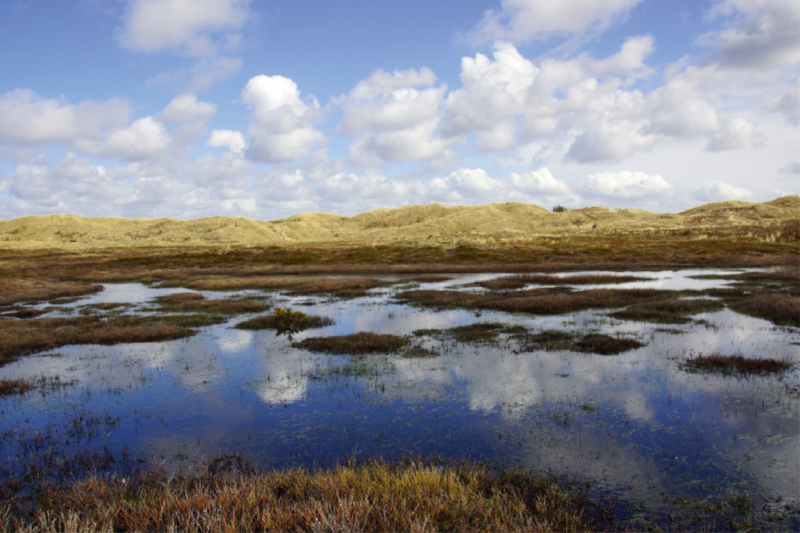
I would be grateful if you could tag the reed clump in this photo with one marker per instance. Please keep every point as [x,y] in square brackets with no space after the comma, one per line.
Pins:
[371,497]
[21,337]
[286,320]
[11,387]
[521,280]
[189,302]
[360,343]
[735,364]
[590,343]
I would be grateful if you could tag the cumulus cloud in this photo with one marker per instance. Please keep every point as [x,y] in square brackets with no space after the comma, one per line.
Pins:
[194,27]
[681,108]
[628,61]
[539,182]
[186,108]
[765,34]
[395,114]
[625,184]
[26,118]
[141,140]
[718,191]
[614,142]
[234,140]
[522,20]
[465,183]
[282,128]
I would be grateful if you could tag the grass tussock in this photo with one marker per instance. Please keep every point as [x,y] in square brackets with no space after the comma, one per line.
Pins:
[338,287]
[537,301]
[591,343]
[14,291]
[286,320]
[519,281]
[668,312]
[735,364]
[13,387]
[370,497]
[356,344]
[189,302]
[20,337]
[482,332]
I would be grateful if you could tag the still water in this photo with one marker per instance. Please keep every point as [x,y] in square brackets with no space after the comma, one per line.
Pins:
[635,424]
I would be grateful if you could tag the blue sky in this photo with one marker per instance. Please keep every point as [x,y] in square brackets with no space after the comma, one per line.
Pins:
[267,108]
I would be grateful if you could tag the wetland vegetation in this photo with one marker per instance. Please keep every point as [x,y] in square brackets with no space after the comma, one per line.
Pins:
[472,372]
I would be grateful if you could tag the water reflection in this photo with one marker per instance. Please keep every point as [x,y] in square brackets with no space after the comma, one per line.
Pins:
[634,420]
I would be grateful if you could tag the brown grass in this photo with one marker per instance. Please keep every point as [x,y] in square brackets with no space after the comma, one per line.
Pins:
[9,387]
[20,337]
[187,302]
[536,301]
[482,332]
[779,308]
[370,497]
[668,312]
[355,344]
[519,281]
[14,291]
[296,322]
[735,364]
[590,343]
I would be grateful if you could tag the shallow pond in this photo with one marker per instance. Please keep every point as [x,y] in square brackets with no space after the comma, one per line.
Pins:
[636,425]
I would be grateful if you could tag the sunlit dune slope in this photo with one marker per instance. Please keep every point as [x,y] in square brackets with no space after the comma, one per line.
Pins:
[432,224]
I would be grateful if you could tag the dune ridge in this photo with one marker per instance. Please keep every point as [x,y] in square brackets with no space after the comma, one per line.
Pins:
[414,224]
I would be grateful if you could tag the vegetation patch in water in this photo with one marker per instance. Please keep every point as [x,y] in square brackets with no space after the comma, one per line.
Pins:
[735,364]
[668,312]
[337,287]
[356,344]
[11,387]
[189,302]
[482,332]
[591,343]
[372,496]
[519,281]
[20,337]
[286,321]
[537,301]
[27,290]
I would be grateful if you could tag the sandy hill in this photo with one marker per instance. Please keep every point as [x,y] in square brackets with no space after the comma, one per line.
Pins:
[432,224]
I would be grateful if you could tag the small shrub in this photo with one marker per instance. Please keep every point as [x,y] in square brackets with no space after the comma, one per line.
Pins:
[559,209]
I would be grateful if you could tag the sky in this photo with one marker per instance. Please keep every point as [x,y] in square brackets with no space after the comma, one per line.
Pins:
[269,108]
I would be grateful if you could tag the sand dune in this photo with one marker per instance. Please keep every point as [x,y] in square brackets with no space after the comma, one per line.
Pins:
[434,224]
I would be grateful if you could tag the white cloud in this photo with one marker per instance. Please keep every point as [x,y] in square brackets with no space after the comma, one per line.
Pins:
[186,108]
[767,36]
[625,184]
[234,140]
[188,26]
[614,142]
[733,135]
[200,76]
[522,20]
[281,130]
[629,60]
[26,118]
[680,108]
[718,191]
[539,182]
[792,167]
[466,183]
[142,140]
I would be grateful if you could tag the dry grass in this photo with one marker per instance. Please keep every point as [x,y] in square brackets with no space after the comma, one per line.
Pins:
[370,497]
[519,281]
[591,343]
[286,320]
[20,337]
[9,387]
[735,364]
[537,301]
[668,312]
[188,302]
[777,307]
[18,290]
[355,344]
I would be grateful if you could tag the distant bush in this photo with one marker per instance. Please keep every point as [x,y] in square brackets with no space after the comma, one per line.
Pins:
[559,209]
